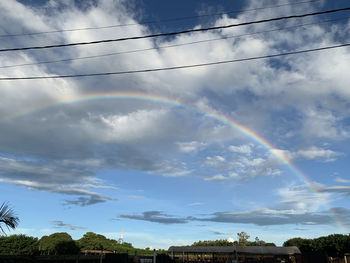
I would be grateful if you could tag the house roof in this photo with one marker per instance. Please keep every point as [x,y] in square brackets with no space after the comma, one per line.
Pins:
[256,250]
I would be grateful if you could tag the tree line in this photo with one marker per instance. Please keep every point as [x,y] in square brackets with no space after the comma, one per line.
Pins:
[63,244]
[243,240]
[335,244]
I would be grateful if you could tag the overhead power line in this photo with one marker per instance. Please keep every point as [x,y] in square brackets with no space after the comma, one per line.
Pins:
[176,67]
[178,32]
[158,21]
[170,46]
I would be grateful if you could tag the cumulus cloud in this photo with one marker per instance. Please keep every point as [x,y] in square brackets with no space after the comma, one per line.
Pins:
[192,146]
[309,153]
[59,147]
[219,162]
[245,149]
[323,124]
[243,164]
[317,153]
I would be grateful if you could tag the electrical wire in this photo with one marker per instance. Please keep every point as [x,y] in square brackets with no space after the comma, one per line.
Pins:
[176,67]
[171,46]
[158,21]
[178,32]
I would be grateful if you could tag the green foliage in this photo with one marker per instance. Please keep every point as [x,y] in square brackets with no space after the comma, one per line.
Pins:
[93,241]
[332,244]
[58,244]
[209,243]
[242,241]
[243,238]
[18,245]
[7,217]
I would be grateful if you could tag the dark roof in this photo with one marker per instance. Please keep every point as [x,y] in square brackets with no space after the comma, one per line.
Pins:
[256,250]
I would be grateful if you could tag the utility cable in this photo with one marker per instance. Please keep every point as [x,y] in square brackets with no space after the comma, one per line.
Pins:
[158,21]
[176,33]
[176,67]
[169,46]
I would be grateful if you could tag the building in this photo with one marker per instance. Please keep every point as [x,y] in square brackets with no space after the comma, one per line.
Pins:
[233,254]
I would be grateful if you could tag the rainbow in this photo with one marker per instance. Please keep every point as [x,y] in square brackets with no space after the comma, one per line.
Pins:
[176,103]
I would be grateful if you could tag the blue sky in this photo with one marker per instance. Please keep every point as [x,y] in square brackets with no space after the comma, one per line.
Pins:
[159,154]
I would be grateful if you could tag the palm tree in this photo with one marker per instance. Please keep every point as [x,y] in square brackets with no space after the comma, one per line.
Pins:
[7,217]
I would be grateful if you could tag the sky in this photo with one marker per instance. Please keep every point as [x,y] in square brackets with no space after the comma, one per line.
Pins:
[176,156]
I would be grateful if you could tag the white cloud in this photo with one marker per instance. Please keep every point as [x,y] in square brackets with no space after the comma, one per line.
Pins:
[218,177]
[135,126]
[304,95]
[303,198]
[245,149]
[219,162]
[315,153]
[309,153]
[192,146]
[323,124]
[230,239]
[195,204]
[171,169]
[342,180]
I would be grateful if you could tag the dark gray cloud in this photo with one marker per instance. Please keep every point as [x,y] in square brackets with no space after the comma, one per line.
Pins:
[267,217]
[342,190]
[91,200]
[157,217]
[262,217]
[220,233]
[38,175]
[61,224]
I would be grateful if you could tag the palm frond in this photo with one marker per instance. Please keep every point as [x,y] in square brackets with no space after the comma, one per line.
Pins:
[8,217]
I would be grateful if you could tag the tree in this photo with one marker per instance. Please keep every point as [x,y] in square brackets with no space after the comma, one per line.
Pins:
[7,217]
[219,242]
[93,241]
[58,244]
[18,245]
[259,242]
[305,245]
[243,238]
[335,244]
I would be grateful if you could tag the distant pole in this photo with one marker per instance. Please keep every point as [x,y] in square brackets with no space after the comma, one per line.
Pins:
[154,256]
[183,256]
